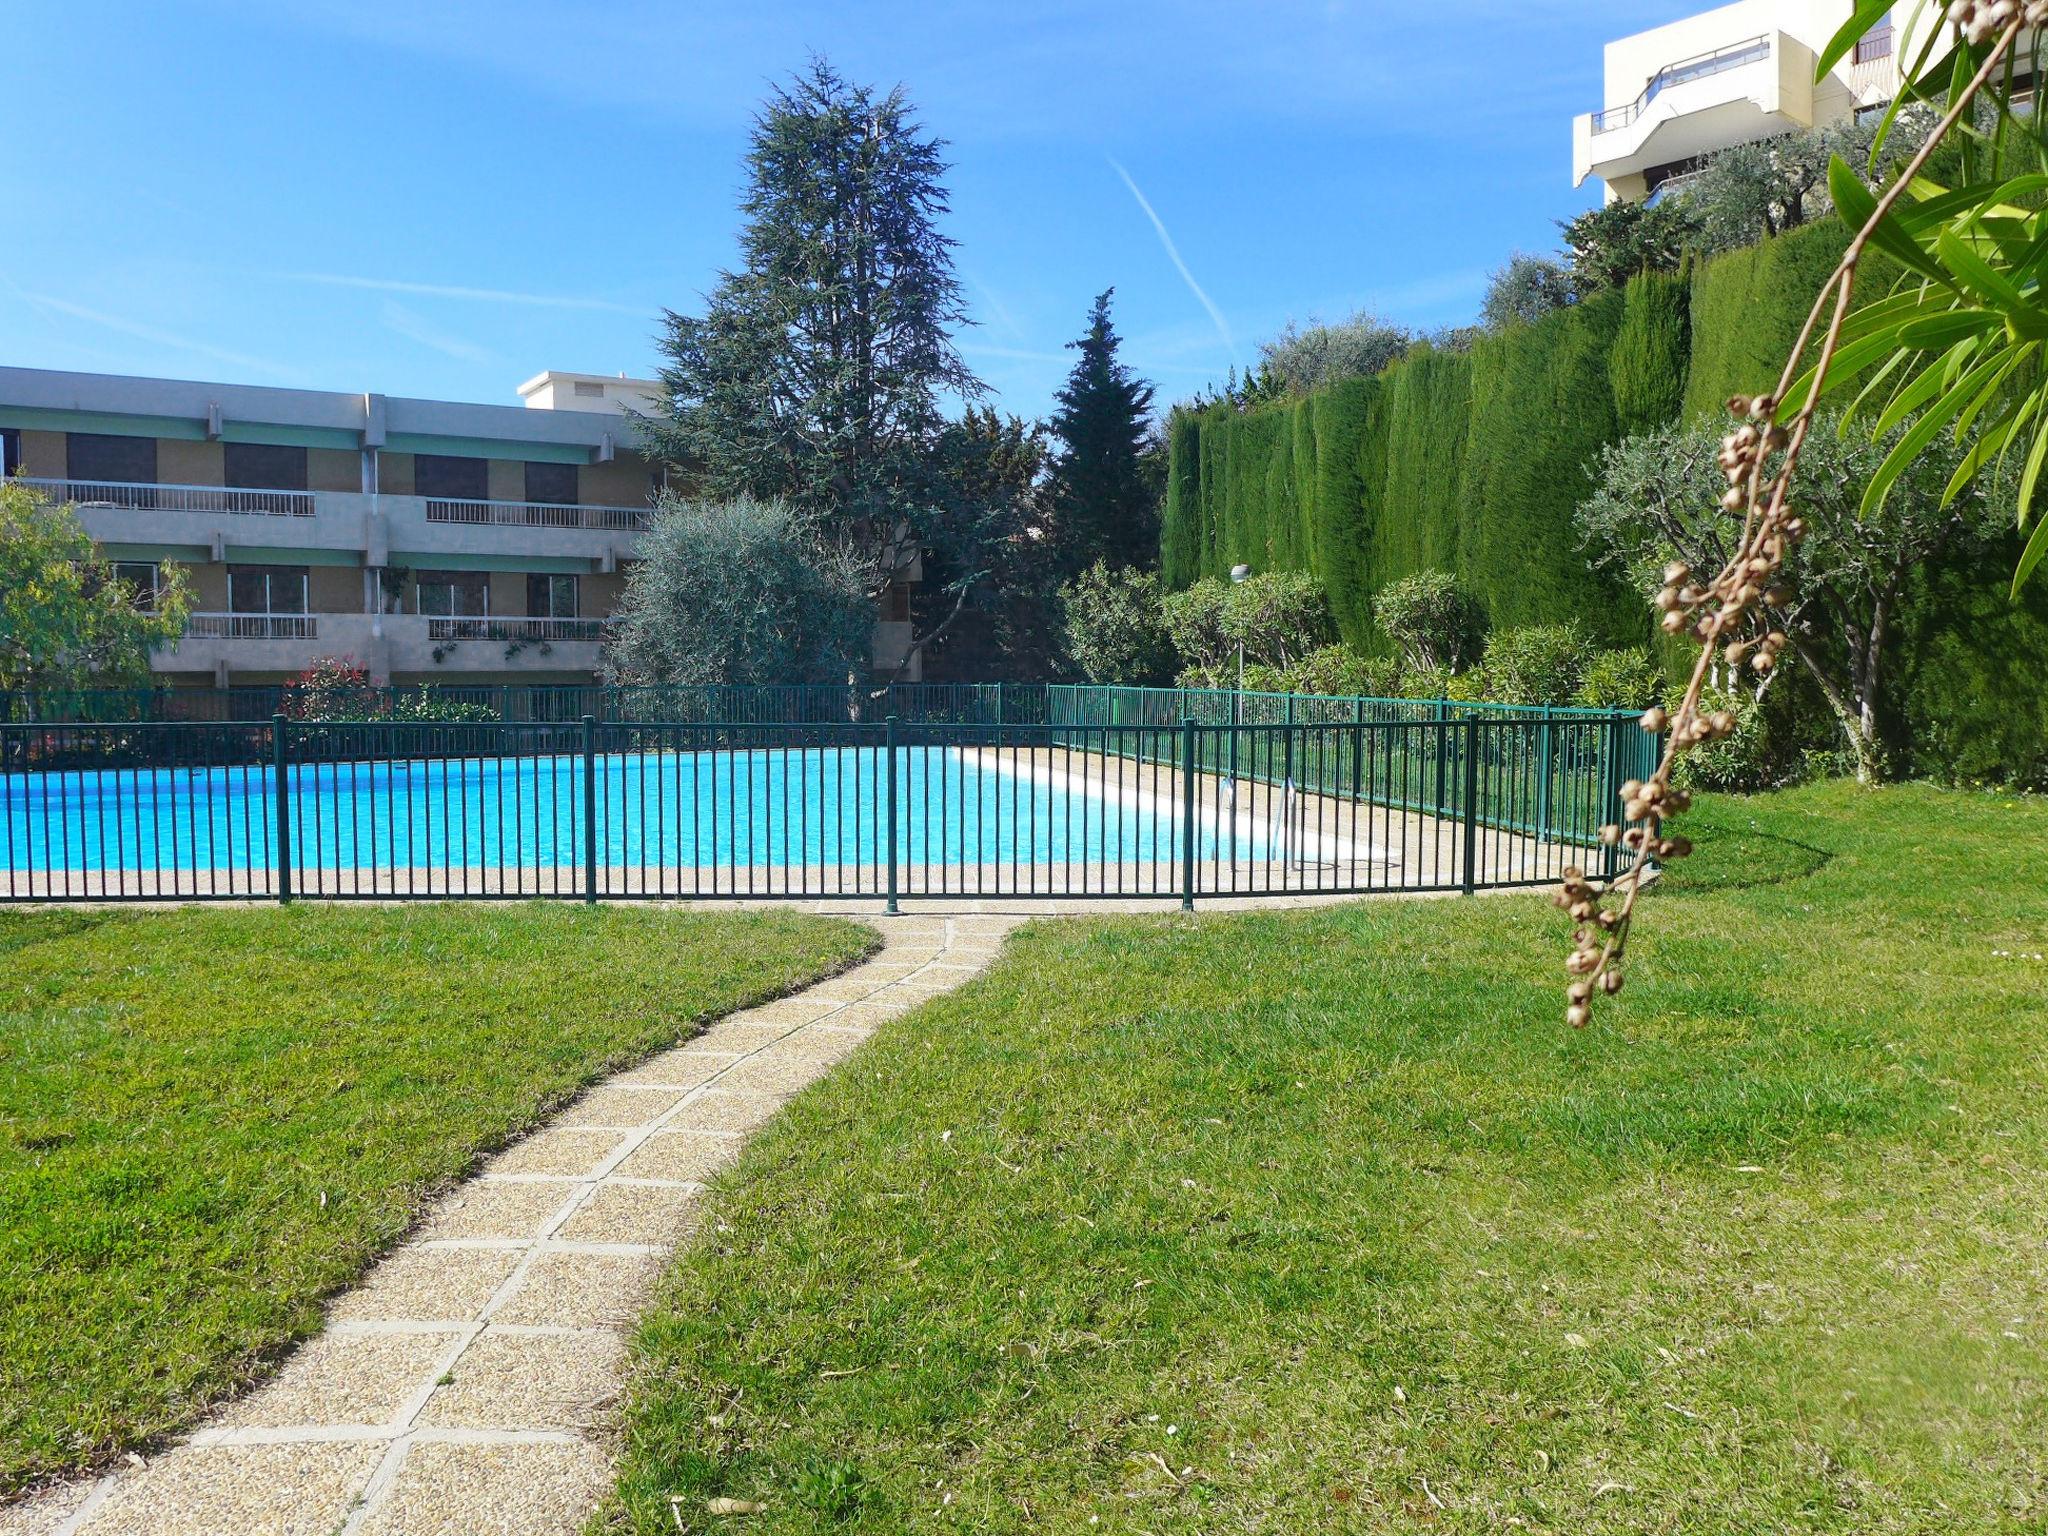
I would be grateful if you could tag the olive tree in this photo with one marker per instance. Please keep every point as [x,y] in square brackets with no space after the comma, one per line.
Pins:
[740,591]
[1657,503]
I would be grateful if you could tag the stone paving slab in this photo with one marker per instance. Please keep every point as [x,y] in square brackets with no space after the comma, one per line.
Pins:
[464,1385]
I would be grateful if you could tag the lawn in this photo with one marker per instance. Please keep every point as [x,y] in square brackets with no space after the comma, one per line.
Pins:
[1325,1221]
[212,1118]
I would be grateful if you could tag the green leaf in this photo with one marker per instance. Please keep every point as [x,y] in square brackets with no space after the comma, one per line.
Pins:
[1858,206]
[2037,546]
[1920,434]
[2022,314]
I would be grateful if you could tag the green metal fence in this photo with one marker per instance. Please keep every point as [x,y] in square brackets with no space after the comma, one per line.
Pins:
[1090,804]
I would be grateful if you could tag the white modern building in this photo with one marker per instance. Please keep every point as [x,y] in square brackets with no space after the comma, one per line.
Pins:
[425,540]
[1678,92]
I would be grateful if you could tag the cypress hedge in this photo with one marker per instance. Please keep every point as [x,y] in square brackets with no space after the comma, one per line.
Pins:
[1473,463]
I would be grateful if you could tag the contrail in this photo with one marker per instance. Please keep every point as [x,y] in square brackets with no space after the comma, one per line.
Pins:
[155,335]
[451,291]
[1173,252]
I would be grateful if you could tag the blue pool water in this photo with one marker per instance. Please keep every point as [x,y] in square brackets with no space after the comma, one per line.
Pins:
[813,807]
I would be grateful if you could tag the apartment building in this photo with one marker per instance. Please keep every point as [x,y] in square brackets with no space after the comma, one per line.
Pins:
[1676,93]
[430,541]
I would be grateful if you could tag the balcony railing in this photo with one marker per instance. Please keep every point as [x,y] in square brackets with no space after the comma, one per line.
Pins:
[514,630]
[1733,56]
[175,498]
[536,514]
[252,626]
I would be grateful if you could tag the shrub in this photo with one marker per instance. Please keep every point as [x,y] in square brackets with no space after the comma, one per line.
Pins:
[1435,622]
[1303,359]
[1115,631]
[1194,626]
[1536,664]
[1623,678]
[1338,671]
[1525,290]
[1742,763]
[740,591]
[1278,618]
[333,688]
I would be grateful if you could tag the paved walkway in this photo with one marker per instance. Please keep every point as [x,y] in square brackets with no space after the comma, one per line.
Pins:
[463,1386]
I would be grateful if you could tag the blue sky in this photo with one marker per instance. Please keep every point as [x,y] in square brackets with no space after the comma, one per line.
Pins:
[444,198]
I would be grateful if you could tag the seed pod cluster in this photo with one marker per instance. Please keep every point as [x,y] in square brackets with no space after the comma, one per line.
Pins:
[1728,612]
[1982,20]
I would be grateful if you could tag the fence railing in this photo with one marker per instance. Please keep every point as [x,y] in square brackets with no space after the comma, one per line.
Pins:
[252,626]
[537,514]
[174,498]
[515,629]
[1698,67]
[892,809]
[958,703]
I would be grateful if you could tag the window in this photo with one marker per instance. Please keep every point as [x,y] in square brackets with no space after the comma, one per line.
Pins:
[451,479]
[267,589]
[121,460]
[551,597]
[142,577]
[586,390]
[896,602]
[553,483]
[264,467]
[1876,43]
[10,451]
[453,594]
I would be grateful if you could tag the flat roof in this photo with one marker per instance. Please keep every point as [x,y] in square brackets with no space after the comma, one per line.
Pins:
[110,402]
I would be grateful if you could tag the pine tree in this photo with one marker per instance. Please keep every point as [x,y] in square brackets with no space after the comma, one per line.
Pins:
[1105,503]
[815,373]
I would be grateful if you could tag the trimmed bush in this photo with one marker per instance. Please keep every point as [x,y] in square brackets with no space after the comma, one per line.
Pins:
[1536,664]
[1624,678]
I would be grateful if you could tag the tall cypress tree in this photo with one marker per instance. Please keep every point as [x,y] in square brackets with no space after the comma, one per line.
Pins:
[1105,506]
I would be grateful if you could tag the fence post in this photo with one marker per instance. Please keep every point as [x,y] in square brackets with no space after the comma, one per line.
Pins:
[279,771]
[1471,883]
[1187,834]
[1358,748]
[999,706]
[590,810]
[1543,780]
[889,767]
[1611,778]
[1443,753]
[1287,771]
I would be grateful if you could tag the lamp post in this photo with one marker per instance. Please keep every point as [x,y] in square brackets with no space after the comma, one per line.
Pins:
[1239,573]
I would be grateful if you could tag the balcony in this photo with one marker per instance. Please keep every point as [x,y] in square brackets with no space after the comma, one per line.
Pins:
[1700,67]
[516,631]
[96,494]
[368,524]
[537,514]
[252,626]
[1750,87]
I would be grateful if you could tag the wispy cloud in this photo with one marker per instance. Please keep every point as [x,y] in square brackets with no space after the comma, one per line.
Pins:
[1014,354]
[156,335]
[456,291]
[996,306]
[1173,253]
[415,327]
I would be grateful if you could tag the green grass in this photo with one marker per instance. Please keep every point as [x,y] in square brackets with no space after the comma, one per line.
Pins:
[212,1118]
[1325,1221]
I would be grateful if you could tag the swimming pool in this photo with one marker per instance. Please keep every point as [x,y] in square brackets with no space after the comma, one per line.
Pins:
[795,807]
